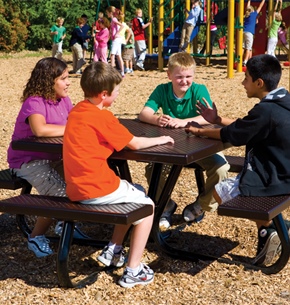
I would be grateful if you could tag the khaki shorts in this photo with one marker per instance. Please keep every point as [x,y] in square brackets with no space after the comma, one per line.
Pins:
[128,54]
[248,41]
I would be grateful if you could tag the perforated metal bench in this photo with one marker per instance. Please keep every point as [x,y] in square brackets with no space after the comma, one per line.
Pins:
[63,209]
[12,182]
[263,208]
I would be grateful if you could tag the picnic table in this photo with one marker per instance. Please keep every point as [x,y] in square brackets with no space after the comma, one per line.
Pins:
[186,150]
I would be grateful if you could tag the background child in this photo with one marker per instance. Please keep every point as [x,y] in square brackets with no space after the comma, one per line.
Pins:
[58,33]
[273,30]
[76,44]
[89,178]
[128,51]
[115,29]
[282,37]
[265,132]
[96,26]
[44,111]
[177,100]
[138,28]
[250,20]
[86,29]
[101,39]
[189,24]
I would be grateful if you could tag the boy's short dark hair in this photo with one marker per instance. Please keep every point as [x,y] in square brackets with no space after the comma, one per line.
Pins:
[98,77]
[267,68]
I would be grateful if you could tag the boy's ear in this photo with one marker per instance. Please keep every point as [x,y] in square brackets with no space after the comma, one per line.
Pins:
[104,94]
[260,83]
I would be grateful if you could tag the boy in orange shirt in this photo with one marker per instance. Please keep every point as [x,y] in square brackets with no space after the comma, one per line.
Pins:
[92,134]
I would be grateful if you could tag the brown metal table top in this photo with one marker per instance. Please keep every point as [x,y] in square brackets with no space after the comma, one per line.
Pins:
[185,150]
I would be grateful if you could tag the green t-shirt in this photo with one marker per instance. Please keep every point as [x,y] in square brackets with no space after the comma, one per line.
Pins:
[163,97]
[273,32]
[60,30]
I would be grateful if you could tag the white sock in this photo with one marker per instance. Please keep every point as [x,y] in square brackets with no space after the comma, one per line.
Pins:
[134,271]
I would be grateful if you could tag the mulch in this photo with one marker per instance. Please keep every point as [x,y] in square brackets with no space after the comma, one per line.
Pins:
[25,279]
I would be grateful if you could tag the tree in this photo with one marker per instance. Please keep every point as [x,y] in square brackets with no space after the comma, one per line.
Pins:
[13,24]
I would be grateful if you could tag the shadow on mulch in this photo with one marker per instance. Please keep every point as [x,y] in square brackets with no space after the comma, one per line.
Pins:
[18,262]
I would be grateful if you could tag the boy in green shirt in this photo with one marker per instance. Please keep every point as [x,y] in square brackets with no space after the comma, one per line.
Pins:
[177,100]
[58,33]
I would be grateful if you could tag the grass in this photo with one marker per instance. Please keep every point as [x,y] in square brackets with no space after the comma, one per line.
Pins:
[26,54]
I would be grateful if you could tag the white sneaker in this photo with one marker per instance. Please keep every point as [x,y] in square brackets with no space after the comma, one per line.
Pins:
[108,258]
[144,277]
[139,66]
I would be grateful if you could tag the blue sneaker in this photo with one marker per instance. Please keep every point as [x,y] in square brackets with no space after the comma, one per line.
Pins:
[77,232]
[39,245]
[193,213]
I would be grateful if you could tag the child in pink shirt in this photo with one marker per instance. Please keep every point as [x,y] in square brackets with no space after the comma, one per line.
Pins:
[101,40]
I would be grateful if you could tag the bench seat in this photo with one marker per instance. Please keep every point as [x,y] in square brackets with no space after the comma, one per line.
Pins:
[264,209]
[62,208]
[11,182]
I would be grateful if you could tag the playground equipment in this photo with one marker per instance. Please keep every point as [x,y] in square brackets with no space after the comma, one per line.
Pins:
[233,18]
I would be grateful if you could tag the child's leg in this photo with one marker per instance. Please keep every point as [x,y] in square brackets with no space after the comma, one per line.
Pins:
[103,54]
[131,65]
[41,226]
[121,63]
[139,239]
[113,64]
[119,234]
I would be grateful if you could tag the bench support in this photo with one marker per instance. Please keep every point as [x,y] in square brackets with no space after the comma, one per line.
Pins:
[63,209]
[266,209]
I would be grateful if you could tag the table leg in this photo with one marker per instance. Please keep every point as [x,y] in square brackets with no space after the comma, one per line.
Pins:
[158,237]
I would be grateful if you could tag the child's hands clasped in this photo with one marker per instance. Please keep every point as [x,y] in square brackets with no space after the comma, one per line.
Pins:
[167,121]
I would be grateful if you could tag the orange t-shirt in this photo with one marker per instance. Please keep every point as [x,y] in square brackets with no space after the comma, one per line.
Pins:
[91,135]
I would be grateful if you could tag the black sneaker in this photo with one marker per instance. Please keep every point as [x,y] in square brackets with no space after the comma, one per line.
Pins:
[287,223]
[165,219]
[193,213]
[268,246]
[144,277]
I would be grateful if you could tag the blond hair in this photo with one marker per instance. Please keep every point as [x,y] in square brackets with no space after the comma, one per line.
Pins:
[59,19]
[182,60]
[249,10]
[138,10]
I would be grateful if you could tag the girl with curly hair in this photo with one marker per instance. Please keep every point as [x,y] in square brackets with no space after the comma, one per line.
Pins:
[44,111]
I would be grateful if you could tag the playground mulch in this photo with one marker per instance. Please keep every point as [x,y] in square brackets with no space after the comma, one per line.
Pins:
[27,280]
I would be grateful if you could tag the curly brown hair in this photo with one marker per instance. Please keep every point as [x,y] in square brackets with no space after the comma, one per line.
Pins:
[42,79]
